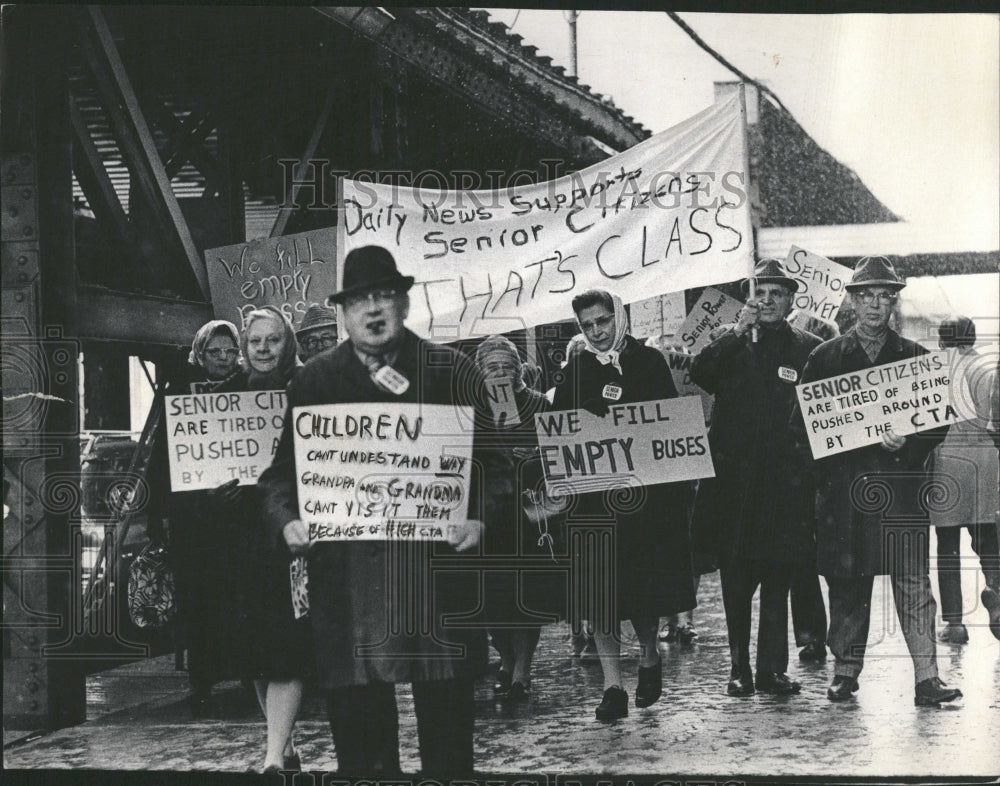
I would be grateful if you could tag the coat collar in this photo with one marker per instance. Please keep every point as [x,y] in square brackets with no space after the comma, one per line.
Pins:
[852,343]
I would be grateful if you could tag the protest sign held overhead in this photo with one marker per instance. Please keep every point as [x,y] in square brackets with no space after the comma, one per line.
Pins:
[821,283]
[213,438]
[856,409]
[668,214]
[291,273]
[657,316]
[634,444]
[382,471]
[712,309]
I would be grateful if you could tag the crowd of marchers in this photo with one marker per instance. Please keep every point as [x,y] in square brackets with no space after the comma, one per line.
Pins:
[771,519]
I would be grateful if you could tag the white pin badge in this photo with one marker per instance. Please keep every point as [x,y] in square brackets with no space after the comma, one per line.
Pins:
[788,374]
[392,380]
[612,392]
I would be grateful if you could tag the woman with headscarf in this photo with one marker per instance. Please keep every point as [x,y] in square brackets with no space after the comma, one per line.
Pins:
[517,602]
[652,551]
[277,646]
[199,545]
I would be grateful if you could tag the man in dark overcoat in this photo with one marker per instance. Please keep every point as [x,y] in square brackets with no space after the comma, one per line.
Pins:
[379,610]
[756,514]
[870,516]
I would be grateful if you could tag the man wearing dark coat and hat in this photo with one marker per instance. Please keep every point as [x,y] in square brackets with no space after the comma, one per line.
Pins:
[870,517]
[378,609]
[756,514]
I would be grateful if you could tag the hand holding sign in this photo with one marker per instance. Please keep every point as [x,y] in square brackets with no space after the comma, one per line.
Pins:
[465,535]
[748,318]
[891,441]
[296,535]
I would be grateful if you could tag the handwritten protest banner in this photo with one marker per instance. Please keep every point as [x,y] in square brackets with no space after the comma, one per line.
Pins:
[821,283]
[712,309]
[657,316]
[382,471]
[217,437]
[291,272]
[665,215]
[680,369]
[634,444]
[855,409]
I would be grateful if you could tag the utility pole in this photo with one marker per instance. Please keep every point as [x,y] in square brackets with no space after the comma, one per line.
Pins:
[572,42]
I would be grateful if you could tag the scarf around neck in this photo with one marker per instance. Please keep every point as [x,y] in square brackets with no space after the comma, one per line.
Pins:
[613,355]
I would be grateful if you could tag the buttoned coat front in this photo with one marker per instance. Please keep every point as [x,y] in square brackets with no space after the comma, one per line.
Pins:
[380,610]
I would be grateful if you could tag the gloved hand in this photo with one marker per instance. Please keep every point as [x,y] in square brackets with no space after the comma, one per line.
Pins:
[226,496]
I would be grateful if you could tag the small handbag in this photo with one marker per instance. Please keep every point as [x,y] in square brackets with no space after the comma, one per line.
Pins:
[152,599]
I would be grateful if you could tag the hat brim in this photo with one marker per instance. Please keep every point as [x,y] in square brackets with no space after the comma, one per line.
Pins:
[399,283]
[301,331]
[785,281]
[878,282]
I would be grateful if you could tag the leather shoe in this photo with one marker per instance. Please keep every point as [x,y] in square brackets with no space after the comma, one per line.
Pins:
[954,633]
[933,691]
[814,650]
[778,684]
[650,686]
[614,705]
[991,600]
[740,683]
[686,634]
[502,685]
[519,692]
[842,688]
[292,762]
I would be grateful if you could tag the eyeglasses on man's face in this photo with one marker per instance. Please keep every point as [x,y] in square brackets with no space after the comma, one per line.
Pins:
[374,296]
[882,298]
[598,323]
[319,341]
[219,354]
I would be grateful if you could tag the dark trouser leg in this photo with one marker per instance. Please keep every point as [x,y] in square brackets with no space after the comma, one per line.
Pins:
[984,543]
[808,611]
[949,573]
[850,617]
[445,723]
[365,726]
[917,609]
[772,628]
[738,586]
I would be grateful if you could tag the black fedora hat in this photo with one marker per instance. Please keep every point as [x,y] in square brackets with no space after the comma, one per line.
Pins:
[771,271]
[370,267]
[875,272]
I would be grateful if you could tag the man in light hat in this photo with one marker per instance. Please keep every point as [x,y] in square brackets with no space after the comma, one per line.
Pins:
[756,514]
[316,332]
[855,543]
[378,608]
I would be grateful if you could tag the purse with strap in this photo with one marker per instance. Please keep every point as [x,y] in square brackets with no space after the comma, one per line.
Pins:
[152,597]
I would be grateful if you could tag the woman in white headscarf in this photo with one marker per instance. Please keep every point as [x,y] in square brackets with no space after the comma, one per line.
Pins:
[652,550]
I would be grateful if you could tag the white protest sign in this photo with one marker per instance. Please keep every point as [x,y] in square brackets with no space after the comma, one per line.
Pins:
[382,471]
[661,315]
[500,397]
[680,369]
[668,214]
[634,444]
[713,308]
[855,409]
[821,283]
[217,437]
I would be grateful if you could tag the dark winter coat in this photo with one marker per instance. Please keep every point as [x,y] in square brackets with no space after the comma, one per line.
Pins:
[653,565]
[871,516]
[759,505]
[356,601]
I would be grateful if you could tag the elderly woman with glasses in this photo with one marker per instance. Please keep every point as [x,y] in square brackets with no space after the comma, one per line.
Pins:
[652,551]
[276,646]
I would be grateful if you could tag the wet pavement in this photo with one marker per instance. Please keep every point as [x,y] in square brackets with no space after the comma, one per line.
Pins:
[694,728]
